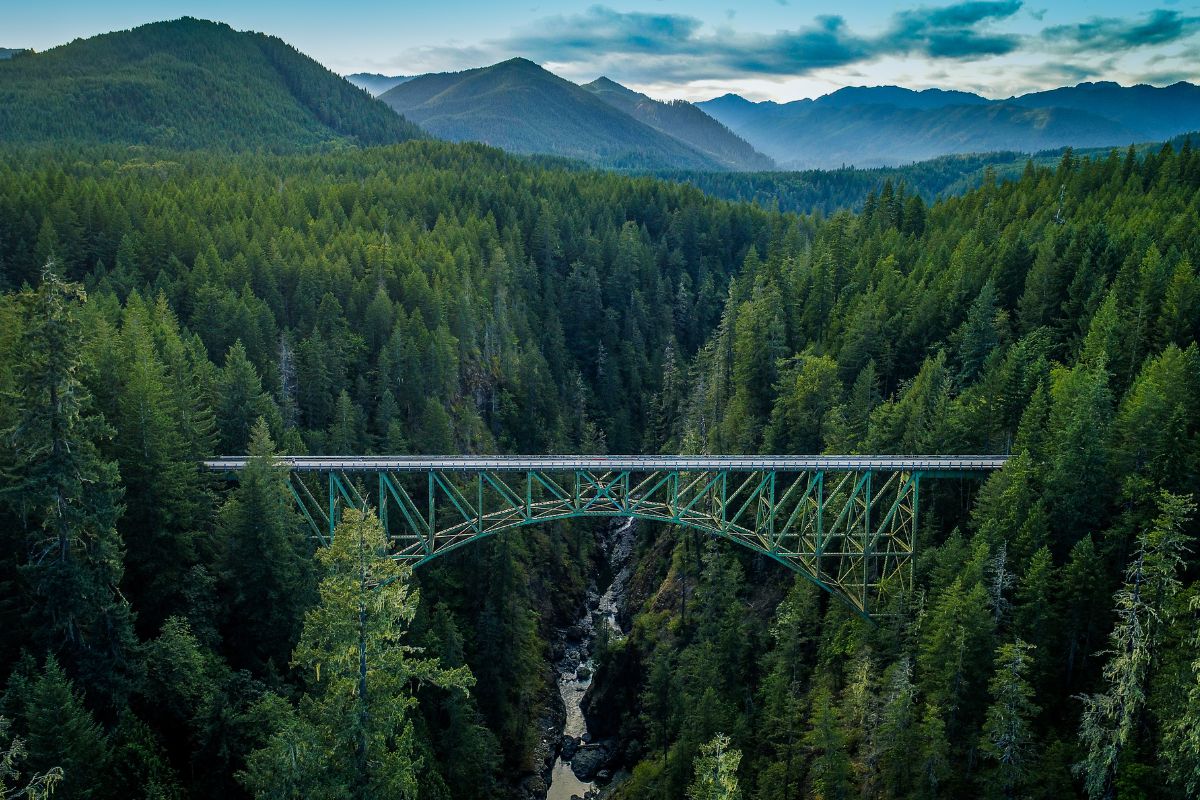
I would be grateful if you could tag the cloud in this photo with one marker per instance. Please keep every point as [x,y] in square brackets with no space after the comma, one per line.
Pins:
[1053,73]
[603,34]
[952,31]
[603,30]
[647,47]
[1158,27]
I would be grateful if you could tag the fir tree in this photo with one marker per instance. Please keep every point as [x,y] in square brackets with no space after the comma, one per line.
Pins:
[1008,739]
[67,498]
[716,771]
[1110,718]
[352,735]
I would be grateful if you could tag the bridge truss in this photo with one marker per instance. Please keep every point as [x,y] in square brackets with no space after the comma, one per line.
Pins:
[847,523]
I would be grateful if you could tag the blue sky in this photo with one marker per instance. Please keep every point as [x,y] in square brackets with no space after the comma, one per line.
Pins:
[764,49]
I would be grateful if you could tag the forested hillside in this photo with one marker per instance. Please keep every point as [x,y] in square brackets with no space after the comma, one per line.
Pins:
[425,298]
[523,108]
[1050,647]
[825,192]
[187,83]
[683,121]
[168,635]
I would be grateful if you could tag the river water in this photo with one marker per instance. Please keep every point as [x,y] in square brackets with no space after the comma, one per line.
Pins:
[577,664]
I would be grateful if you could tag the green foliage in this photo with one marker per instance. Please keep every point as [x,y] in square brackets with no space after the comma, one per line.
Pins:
[187,83]
[35,787]
[352,735]
[1108,725]
[63,744]
[65,498]
[1007,730]
[265,561]
[428,297]
[716,771]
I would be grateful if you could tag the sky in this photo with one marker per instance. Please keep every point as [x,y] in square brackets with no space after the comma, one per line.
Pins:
[696,49]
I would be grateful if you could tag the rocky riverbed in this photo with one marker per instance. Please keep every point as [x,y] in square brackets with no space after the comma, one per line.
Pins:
[581,766]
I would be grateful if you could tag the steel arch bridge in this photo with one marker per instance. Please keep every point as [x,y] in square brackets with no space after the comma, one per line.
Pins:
[847,523]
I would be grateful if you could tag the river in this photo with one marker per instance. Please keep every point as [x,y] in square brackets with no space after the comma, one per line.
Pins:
[581,761]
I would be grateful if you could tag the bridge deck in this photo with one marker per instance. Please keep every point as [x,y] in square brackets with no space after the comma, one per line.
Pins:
[568,463]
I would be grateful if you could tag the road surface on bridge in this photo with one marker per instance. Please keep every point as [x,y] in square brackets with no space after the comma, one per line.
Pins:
[568,463]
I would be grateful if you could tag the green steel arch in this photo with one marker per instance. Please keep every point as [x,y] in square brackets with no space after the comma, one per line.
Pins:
[846,523]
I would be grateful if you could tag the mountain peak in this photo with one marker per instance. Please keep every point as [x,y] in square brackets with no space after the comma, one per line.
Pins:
[520,106]
[607,84]
[191,83]
[517,62]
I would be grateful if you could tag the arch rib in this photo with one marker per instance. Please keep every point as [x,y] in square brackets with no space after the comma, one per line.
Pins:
[853,536]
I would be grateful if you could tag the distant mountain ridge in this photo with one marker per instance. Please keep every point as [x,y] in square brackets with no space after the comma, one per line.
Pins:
[375,83]
[521,107]
[683,121]
[890,125]
[8,52]
[187,83]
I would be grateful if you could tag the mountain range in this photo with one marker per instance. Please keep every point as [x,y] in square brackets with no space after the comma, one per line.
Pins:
[187,83]
[890,125]
[521,107]
[685,122]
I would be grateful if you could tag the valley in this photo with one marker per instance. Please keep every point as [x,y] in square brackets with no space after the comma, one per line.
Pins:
[211,245]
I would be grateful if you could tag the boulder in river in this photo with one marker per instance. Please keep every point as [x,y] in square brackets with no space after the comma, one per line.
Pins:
[590,759]
[569,747]
[583,672]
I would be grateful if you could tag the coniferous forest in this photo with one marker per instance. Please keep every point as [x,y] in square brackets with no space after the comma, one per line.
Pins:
[169,634]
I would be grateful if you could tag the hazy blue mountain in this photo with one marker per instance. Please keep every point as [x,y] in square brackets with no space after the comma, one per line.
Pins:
[8,52]
[899,97]
[890,125]
[520,107]
[375,83]
[1149,111]
[683,121]
[187,83]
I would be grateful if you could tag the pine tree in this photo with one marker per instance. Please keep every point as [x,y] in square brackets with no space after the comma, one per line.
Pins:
[1182,730]
[13,783]
[829,771]
[1109,724]
[241,402]
[352,735]
[978,336]
[898,730]
[1007,730]
[67,498]
[265,560]
[716,771]
[61,734]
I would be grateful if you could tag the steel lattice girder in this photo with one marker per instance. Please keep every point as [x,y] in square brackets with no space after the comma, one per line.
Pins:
[851,532]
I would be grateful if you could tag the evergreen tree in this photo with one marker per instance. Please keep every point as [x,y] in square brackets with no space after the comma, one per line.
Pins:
[264,561]
[1008,739]
[13,783]
[1182,731]
[829,771]
[67,499]
[352,735]
[61,734]
[241,402]
[716,771]
[1110,718]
